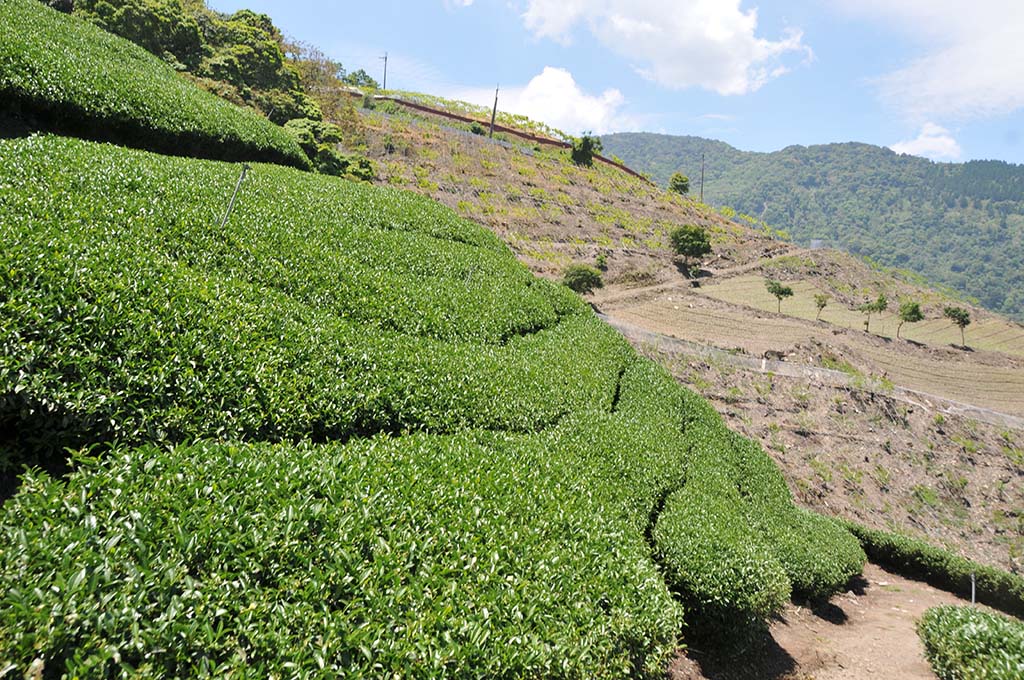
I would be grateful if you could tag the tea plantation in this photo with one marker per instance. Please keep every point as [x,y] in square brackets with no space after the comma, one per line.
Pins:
[61,73]
[347,433]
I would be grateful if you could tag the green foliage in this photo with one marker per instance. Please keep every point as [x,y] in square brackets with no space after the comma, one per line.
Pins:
[59,72]
[582,278]
[360,78]
[959,316]
[916,559]
[584,149]
[820,301]
[902,211]
[349,434]
[353,166]
[910,312]
[601,262]
[160,26]
[689,241]
[429,556]
[679,183]
[963,642]
[243,51]
[778,290]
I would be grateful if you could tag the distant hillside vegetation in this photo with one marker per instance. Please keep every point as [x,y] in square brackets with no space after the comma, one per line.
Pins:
[961,224]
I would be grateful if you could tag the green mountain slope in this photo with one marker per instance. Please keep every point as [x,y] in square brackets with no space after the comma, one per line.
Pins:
[61,73]
[957,224]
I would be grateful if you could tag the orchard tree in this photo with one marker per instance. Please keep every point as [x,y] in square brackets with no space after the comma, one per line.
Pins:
[820,300]
[910,312]
[779,291]
[679,183]
[961,317]
[689,241]
[876,307]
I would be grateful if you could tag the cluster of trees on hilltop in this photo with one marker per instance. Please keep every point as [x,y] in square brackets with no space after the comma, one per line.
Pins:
[957,224]
[242,57]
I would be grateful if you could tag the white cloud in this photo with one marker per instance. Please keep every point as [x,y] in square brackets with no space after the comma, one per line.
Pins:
[554,97]
[676,43]
[972,60]
[933,142]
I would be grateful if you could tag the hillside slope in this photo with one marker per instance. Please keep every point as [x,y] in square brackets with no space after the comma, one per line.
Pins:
[839,444]
[957,224]
[421,415]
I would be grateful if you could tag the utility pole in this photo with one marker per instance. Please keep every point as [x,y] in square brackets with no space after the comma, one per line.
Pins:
[385,60]
[702,178]
[494,113]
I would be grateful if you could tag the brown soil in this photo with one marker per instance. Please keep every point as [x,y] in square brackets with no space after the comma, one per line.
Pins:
[867,633]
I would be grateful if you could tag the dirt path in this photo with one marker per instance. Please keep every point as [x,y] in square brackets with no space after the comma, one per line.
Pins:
[864,634]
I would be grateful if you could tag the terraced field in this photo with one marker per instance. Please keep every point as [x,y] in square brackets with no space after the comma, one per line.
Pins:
[987,333]
[982,379]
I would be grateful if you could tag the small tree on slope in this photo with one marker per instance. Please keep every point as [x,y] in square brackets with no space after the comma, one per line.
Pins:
[961,317]
[779,291]
[910,312]
[876,307]
[689,241]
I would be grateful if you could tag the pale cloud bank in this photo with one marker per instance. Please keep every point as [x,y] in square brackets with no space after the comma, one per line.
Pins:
[555,98]
[678,44]
[933,142]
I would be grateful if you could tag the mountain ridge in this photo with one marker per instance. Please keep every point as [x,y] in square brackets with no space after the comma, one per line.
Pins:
[899,210]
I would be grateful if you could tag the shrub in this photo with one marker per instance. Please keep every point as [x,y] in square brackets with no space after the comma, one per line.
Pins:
[916,559]
[58,72]
[582,278]
[963,642]
[679,183]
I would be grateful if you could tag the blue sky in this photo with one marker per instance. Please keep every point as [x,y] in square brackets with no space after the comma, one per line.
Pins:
[937,78]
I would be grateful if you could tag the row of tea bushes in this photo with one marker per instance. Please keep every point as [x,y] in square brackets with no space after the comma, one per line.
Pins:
[964,642]
[424,556]
[914,558]
[61,73]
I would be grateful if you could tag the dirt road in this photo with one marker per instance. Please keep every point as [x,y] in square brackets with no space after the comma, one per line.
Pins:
[867,633]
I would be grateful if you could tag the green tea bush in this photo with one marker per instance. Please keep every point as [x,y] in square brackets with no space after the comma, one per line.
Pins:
[916,559]
[59,72]
[346,433]
[324,309]
[424,556]
[963,642]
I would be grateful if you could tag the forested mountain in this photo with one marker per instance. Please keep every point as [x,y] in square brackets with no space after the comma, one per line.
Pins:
[960,224]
